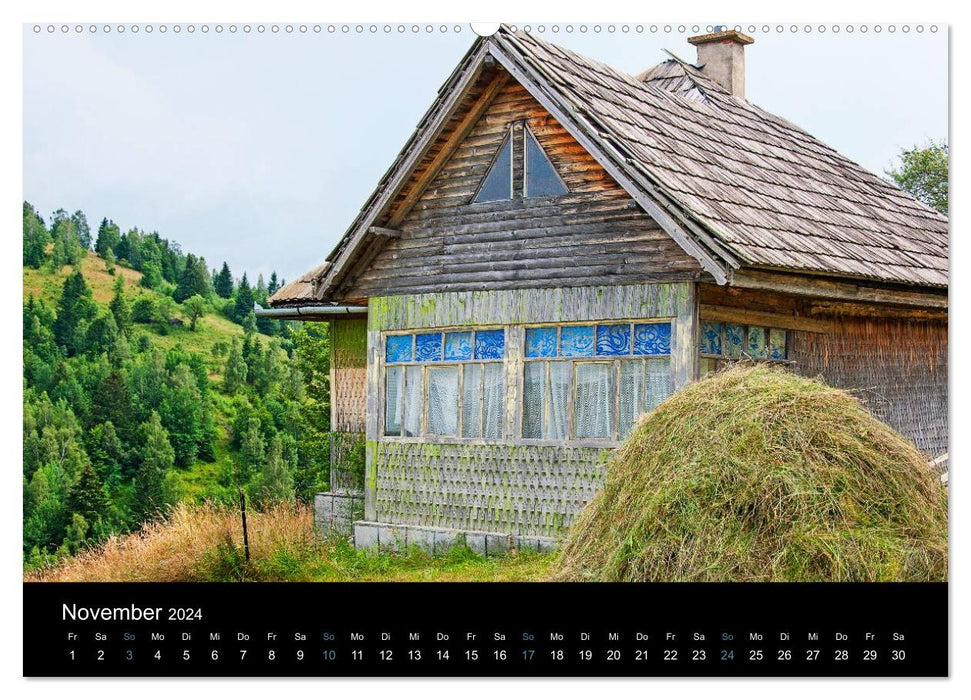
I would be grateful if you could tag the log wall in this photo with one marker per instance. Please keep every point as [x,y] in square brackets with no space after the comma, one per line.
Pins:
[593,235]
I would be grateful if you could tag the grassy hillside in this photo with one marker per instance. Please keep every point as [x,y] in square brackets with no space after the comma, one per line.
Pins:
[211,329]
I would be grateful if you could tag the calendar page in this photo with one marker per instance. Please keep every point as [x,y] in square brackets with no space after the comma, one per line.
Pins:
[528,349]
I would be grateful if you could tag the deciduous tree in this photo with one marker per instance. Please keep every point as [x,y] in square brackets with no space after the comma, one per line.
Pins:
[923,172]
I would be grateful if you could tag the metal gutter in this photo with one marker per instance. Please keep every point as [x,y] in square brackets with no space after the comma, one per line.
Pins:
[295,312]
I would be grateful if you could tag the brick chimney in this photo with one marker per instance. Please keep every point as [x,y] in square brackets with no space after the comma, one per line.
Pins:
[721,57]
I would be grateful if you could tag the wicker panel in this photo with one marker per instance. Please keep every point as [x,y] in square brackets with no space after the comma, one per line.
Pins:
[349,384]
[897,367]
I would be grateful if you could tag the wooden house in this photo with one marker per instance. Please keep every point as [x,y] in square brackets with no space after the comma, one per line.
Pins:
[560,246]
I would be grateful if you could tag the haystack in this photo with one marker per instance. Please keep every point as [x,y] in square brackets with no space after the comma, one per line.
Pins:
[756,474]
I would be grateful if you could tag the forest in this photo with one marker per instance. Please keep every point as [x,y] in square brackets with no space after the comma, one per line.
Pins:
[148,381]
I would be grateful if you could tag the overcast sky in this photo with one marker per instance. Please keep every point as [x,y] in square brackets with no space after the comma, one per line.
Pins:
[260,149]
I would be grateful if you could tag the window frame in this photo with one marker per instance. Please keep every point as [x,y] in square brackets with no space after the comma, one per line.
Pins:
[616,362]
[424,366]
[513,369]
[722,360]
[511,138]
[528,133]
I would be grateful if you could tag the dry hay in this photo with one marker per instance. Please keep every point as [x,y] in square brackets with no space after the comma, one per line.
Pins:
[756,474]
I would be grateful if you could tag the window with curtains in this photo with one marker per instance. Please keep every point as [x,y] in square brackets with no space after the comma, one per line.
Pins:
[590,382]
[445,384]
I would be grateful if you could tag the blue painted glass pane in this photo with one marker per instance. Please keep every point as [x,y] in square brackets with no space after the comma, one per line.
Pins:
[777,344]
[397,348]
[458,346]
[613,340]
[541,177]
[652,339]
[540,342]
[711,338]
[498,182]
[734,340]
[756,342]
[428,347]
[576,341]
[490,345]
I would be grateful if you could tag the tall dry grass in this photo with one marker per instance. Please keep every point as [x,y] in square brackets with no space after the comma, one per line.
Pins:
[193,543]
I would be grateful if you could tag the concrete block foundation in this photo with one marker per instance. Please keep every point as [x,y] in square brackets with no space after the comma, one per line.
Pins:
[437,540]
[336,511]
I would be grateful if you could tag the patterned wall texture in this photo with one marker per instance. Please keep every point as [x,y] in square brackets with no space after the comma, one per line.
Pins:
[897,367]
[348,404]
[349,374]
[534,490]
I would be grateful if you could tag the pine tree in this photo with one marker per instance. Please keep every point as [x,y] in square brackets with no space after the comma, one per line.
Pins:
[259,293]
[157,457]
[75,307]
[120,308]
[107,453]
[87,497]
[234,376]
[244,301]
[36,238]
[109,238]
[223,282]
[111,401]
[82,229]
[254,361]
[193,280]
[272,372]
[273,285]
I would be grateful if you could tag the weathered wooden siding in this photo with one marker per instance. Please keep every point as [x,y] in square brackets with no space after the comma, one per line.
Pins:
[898,367]
[348,386]
[593,235]
[507,485]
[893,357]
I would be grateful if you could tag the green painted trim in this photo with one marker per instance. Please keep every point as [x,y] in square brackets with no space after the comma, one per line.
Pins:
[545,305]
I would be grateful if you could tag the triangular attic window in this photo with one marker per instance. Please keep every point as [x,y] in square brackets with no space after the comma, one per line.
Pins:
[498,182]
[541,177]
[512,175]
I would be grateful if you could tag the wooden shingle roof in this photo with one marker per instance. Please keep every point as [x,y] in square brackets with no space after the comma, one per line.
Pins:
[681,78]
[774,195]
[733,184]
[300,291]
